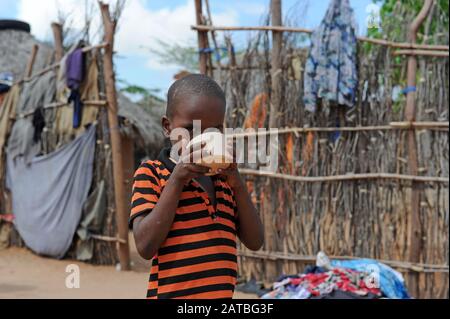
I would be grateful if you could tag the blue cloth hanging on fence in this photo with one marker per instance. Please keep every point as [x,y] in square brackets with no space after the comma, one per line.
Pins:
[330,70]
[216,51]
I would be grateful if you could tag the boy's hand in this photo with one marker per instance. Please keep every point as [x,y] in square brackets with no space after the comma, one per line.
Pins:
[231,173]
[185,170]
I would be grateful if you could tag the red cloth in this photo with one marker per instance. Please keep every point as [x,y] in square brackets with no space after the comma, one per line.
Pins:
[342,279]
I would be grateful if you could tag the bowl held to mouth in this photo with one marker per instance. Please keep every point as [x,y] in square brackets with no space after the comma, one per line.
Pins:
[214,154]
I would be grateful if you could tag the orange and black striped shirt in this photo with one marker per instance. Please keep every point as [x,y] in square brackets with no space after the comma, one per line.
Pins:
[198,258]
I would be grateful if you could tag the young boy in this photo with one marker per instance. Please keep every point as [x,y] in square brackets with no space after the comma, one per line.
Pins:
[187,221]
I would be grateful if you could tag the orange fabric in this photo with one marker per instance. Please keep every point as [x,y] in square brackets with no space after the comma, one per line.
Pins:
[290,152]
[308,152]
[258,112]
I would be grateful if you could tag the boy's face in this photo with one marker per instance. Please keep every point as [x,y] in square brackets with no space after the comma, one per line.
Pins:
[209,110]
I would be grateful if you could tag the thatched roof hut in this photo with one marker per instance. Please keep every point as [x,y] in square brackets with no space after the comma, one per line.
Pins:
[95,237]
[15,50]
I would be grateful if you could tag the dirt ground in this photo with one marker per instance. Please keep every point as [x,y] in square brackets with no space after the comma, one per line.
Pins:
[26,275]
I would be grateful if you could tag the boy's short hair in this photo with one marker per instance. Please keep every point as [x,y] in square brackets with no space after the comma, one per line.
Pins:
[192,84]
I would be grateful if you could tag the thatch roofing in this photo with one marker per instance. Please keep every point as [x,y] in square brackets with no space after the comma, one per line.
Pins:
[15,49]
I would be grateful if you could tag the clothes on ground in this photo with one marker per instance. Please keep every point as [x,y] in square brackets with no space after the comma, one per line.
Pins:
[198,259]
[75,64]
[318,284]
[330,70]
[339,294]
[391,282]
[48,194]
[341,279]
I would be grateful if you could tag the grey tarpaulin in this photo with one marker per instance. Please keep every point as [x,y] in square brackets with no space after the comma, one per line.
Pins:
[94,211]
[48,194]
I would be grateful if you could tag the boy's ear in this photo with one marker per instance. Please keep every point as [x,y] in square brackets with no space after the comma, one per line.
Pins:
[165,123]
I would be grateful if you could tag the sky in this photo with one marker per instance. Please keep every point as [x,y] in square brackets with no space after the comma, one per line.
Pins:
[143,22]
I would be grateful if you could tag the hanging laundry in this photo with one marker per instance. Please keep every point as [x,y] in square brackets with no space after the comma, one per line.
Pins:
[330,70]
[38,123]
[35,93]
[74,77]
[49,192]
[63,121]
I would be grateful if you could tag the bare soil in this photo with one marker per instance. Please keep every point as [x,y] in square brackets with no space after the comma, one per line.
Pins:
[24,274]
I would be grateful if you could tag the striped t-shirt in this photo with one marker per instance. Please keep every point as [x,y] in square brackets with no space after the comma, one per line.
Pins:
[198,258]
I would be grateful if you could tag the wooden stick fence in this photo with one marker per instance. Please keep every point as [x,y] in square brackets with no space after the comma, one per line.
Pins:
[392,44]
[55,65]
[416,267]
[99,103]
[432,53]
[409,223]
[438,126]
[347,177]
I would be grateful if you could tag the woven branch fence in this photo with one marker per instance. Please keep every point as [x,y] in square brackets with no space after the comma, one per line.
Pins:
[364,217]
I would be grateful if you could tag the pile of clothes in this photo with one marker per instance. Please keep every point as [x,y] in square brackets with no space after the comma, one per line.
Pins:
[341,279]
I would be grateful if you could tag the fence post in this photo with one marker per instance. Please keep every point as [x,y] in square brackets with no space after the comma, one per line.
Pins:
[275,98]
[202,38]
[414,226]
[58,39]
[113,122]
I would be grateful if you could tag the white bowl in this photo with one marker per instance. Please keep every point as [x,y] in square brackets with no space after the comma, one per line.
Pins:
[214,155]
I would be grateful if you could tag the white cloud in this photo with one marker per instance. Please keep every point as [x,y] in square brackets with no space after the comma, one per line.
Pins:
[139,27]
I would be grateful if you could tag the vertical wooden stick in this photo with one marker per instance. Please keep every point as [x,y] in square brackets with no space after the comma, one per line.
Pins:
[277,40]
[117,160]
[57,37]
[414,230]
[29,69]
[213,37]
[202,38]
[275,98]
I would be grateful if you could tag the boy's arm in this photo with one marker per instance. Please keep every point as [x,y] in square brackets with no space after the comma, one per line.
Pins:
[250,229]
[151,230]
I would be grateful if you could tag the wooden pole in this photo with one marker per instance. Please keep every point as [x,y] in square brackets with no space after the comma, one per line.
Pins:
[347,177]
[29,69]
[275,100]
[216,46]
[57,37]
[117,160]
[432,53]
[202,38]
[277,39]
[414,226]
[418,267]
